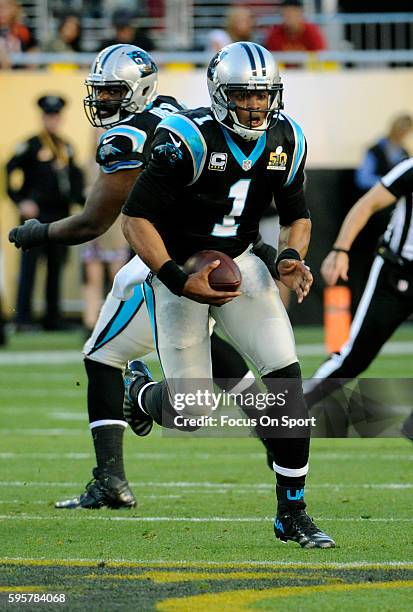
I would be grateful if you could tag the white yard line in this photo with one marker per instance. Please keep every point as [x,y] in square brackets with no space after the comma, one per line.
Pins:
[66,357]
[215,485]
[315,455]
[74,516]
[226,564]
[56,431]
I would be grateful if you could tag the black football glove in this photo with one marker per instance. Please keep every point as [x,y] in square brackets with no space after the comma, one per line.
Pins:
[31,234]
[267,253]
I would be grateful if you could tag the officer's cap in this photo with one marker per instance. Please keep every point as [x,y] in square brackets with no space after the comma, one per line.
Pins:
[51,104]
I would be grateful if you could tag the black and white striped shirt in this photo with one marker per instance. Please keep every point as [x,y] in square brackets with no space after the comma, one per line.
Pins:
[399,232]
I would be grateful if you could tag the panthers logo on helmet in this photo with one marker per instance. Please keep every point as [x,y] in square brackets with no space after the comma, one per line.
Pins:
[214,63]
[144,61]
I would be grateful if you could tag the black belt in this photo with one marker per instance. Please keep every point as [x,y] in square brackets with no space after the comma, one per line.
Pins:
[394,259]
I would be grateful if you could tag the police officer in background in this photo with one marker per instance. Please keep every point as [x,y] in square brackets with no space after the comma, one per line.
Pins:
[43,180]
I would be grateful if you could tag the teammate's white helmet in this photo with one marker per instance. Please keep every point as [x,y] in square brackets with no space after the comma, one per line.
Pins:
[124,66]
[243,66]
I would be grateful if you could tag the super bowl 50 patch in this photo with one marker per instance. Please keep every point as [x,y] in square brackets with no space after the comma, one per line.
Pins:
[277,160]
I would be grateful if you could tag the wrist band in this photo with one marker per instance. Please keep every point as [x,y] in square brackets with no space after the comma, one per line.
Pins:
[287,254]
[338,250]
[171,275]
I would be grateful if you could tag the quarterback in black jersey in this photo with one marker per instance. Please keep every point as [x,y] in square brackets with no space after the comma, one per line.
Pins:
[212,174]
[122,98]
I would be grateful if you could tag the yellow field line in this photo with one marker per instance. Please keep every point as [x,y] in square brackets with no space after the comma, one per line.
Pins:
[163,577]
[242,599]
[212,564]
[22,589]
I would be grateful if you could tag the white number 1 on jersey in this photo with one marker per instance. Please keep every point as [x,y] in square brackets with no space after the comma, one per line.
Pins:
[228,227]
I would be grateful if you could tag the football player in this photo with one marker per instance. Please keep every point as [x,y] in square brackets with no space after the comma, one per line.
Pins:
[213,172]
[122,98]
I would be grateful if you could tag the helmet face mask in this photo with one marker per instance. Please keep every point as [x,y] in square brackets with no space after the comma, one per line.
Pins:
[100,108]
[249,69]
[125,69]
[266,113]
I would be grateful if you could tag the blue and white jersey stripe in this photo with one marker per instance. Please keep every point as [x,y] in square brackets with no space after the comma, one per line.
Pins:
[186,130]
[121,165]
[299,149]
[121,319]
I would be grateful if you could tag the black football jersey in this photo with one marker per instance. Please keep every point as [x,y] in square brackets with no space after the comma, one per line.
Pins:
[206,188]
[127,145]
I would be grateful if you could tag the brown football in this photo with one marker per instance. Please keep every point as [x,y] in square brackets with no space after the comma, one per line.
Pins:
[227,277]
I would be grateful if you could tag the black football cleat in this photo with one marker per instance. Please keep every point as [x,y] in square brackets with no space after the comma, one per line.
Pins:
[299,527]
[136,375]
[103,491]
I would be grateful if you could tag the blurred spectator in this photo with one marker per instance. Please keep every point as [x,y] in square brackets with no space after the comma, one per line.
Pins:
[156,8]
[384,154]
[43,180]
[69,36]
[239,26]
[14,35]
[294,33]
[127,33]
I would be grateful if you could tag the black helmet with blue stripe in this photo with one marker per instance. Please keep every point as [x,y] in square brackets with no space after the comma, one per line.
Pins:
[124,68]
[243,66]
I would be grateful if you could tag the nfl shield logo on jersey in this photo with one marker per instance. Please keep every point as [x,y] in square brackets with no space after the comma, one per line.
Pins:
[246,164]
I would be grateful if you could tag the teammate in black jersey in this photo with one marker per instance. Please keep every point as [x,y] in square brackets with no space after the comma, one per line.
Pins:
[387,300]
[212,174]
[122,97]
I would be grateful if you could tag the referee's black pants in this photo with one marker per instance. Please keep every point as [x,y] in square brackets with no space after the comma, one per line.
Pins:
[387,301]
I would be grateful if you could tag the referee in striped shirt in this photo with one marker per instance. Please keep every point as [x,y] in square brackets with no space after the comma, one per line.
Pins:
[387,300]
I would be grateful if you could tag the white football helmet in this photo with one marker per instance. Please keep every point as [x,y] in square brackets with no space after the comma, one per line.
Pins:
[124,67]
[243,66]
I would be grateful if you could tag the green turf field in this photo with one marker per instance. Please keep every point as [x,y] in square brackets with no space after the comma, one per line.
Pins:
[201,537]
